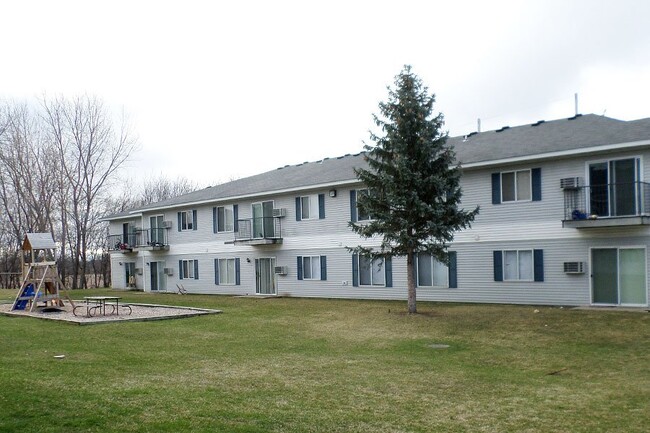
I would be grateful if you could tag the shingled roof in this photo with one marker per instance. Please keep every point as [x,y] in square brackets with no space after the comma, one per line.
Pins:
[578,132]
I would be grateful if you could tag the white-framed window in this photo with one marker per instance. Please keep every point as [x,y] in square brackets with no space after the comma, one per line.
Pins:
[431,272]
[226,271]
[186,220]
[371,271]
[225,219]
[516,186]
[188,269]
[361,214]
[518,265]
[309,207]
[311,268]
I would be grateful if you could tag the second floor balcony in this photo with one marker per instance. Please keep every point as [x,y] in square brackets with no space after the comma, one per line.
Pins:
[154,239]
[608,205]
[259,231]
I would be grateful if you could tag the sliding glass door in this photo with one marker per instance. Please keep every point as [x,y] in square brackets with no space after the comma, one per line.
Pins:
[619,276]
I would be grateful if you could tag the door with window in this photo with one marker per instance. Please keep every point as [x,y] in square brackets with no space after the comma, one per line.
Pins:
[619,276]
[614,187]
[157,230]
[129,271]
[158,278]
[265,283]
[263,220]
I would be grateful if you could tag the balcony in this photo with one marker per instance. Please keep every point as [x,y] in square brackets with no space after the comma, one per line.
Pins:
[259,231]
[151,239]
[610,205]
[139,240]
[122,243]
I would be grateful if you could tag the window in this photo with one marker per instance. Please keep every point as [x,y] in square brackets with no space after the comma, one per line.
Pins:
[431,272]
[519,265]
[312,268]
[310,207]
[225,219]
[519,185]
[187,220]
[515,186]
[362,215]
[188,269]
[227,271]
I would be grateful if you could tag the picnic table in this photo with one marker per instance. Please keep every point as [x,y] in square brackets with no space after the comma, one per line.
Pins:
[98,305]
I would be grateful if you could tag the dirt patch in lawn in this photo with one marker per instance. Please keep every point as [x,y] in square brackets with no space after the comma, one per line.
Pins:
[127,313]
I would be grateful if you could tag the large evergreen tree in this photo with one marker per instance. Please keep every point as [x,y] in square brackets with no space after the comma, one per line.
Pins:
[413,181]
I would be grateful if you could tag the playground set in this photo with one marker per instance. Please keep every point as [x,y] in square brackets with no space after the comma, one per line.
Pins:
[41,285]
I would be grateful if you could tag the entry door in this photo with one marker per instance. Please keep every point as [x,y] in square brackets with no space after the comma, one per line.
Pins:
[263,220]
[156,224]
[265,276]
[613,187]
[158,280]
[129,271]
[619,276]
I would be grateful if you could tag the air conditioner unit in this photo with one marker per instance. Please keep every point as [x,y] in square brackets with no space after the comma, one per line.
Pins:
[281,270]
[280,213]
[574,267]
[570,183]
[169,271]
[138,271]
[167,224]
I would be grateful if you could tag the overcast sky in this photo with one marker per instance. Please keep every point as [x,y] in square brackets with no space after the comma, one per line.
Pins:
[220,90]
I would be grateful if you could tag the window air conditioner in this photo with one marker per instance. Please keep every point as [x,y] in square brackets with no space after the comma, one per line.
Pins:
[574,267]
[169,271]
[570,183]
[280,213]
[281,270]
[167,224]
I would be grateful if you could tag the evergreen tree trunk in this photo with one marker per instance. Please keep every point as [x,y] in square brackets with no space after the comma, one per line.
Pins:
[410,280]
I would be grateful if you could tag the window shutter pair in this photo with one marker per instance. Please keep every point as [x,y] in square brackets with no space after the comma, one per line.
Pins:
[388,270]
[536,181]
[215,219]
[323,268]
[321,207]
[180,220]
[237,272]
[451,270]
[538,265]
[180,270]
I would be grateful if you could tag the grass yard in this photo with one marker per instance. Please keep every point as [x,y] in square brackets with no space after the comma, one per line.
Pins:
[300,365]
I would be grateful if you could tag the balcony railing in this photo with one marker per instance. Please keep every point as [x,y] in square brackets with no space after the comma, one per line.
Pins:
[259,231]
[140,239]
[607,205]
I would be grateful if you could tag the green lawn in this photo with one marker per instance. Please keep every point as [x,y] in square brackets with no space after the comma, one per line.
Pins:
[300,365]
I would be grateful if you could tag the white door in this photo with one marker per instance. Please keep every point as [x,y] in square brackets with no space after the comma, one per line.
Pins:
[265,276]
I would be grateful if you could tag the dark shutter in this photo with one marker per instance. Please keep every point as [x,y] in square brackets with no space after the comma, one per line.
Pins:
[196,269]
[323,268]
[498,265]
[321,206]
[237,272]
[538,259]
[216,271]
[235,215]
[355,269]
[353,206]
[214,220]
[194,219]
[453,278]
[299,267]
[180,221]
[536,178]
[298,209]
[180,269]
[496,188]
[388,264]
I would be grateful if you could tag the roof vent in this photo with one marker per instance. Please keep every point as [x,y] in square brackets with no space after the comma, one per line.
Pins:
[502,129]
[575,117]
[539,122]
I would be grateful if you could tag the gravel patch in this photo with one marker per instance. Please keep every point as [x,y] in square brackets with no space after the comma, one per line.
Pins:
[139,312]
